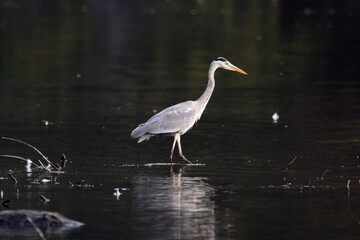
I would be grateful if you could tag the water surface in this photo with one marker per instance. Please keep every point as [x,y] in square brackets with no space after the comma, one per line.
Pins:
[95,70]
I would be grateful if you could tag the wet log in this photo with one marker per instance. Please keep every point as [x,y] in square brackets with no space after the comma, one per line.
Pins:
[43,219]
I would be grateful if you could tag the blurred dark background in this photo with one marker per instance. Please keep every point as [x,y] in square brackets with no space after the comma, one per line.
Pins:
[96,69]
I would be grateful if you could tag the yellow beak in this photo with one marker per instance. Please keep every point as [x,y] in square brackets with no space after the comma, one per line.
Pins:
[239,70]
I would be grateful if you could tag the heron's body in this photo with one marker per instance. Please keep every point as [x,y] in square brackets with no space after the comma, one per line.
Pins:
[178,119]
[170,121]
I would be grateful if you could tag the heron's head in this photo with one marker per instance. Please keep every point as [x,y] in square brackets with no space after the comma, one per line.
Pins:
[223,63]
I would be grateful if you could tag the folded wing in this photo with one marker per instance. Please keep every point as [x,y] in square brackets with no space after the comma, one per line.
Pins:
[175,119]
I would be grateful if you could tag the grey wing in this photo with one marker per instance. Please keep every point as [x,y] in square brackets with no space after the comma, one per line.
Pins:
[177,118]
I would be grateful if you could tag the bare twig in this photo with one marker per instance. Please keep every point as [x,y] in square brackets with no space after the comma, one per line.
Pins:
[21,158]
[56,171]
[12,178]
[17,157]
[292,161]
[43,166]
[81,182]
[31,146]
[5,202]
[41,234]
[44,199]
[63,160]
[322,177]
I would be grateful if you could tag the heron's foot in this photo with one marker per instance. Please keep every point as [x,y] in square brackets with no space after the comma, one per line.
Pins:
[185,159]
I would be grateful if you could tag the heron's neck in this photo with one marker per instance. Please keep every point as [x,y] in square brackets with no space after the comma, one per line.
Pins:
[204,98]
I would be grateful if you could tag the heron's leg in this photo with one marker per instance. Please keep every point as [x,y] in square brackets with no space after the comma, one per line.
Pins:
[173,147]
[180,151]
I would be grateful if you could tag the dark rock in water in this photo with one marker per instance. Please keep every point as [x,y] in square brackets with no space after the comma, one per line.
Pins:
[43,219]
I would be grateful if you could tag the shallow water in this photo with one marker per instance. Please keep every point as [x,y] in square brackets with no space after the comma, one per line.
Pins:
[95,70]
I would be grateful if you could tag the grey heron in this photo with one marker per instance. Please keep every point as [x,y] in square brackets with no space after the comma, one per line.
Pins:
[180,118]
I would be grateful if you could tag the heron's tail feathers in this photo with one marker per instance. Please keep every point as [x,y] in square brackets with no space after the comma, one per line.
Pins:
[141,133]
[144,137]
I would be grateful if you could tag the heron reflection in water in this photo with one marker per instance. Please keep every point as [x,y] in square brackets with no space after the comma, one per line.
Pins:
[172,207]
[178,119]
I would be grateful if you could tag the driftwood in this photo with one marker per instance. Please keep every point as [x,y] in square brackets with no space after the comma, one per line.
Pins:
[42,219]
[23,222]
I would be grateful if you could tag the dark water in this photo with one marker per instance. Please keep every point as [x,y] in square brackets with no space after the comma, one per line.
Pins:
[96,69]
